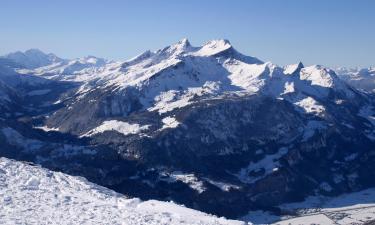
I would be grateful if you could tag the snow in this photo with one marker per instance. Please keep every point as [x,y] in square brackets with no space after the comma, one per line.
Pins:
[293,68]
[318,76]
[310,105]
[264,166]
[170,122]
[187,178]
[247,76]
[33,58]
[308,220]
[84,69]
[179,75]
[33,195]
[288,88]
[353,208]
[213,47]
[47,129]
[168,101]
[223,186]
[361,78]
[119,126]
[260,217]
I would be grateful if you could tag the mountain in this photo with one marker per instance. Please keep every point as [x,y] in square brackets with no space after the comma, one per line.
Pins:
[207,127]
[363,79]
[34,195]
[33,58]
[69,70]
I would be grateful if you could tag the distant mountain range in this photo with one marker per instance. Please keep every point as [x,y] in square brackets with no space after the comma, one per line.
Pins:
[363,79]
[207,127]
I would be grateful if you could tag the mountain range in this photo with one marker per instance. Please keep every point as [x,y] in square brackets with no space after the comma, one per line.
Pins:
[207,127]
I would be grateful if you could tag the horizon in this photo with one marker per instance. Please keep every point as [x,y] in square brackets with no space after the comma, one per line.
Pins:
[280,32]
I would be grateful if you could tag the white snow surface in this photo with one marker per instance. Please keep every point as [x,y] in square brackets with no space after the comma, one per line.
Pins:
[170,122]
[187,178]
[310,105]
[119,126]
[46,128]
[352,208]
[293,68]
[348,209]
[33,195]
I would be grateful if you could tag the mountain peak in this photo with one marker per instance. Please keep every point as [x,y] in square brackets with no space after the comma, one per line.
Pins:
[34,51]
[214,47]
[293,68]
[33,58]
[218,44]
[184,42]
[178,48]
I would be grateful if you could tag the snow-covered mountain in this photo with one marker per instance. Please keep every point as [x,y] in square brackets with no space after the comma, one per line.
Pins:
[363,79]
[33,195]
[33,58]
[207,127]
[173,77]
[80,69]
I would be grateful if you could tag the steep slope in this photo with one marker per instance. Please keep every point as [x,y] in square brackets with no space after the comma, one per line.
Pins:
[34,195]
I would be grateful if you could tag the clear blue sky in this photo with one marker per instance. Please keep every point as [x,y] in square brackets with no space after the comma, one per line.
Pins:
[328,32]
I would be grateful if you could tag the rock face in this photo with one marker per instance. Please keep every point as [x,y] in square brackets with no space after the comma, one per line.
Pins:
[205,126]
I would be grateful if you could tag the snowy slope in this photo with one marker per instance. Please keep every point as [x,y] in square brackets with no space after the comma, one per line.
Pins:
[33,195]
[119,126]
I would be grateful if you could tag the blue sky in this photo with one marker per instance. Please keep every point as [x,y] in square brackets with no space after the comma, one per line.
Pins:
[328,32]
